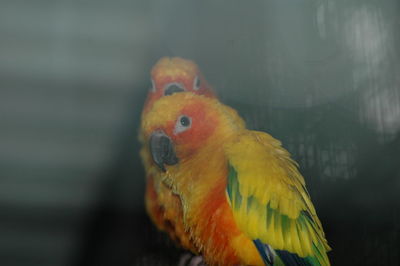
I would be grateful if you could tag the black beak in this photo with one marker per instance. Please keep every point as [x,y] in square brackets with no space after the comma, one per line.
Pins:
[173,88]
[162,150]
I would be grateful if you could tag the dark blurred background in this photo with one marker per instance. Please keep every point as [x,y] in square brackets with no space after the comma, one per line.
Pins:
[322,76]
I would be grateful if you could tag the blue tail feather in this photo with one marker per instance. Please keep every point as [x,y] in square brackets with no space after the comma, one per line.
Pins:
[265,252]
[291,259]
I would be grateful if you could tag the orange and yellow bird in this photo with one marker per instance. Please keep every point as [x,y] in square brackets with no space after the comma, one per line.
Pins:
[168,76]
[239,198]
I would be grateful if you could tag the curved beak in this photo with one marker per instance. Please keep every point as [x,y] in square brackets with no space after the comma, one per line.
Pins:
[162,150]
[173,88]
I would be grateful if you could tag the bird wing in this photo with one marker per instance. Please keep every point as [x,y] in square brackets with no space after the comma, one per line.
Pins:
[270,203]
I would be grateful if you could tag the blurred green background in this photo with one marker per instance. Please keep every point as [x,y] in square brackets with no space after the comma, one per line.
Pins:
[322,76]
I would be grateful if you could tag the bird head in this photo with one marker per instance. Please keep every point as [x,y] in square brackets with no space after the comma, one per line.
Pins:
[173,75]
[183,125]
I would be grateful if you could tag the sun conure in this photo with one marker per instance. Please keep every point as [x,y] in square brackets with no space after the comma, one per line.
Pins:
[169,76]
[174,74]
[242,199]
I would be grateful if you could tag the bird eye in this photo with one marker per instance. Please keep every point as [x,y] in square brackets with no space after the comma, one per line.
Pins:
[196,83]
[182,124]
[185,121]
[153,86]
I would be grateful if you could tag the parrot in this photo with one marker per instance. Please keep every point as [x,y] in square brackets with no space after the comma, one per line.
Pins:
[172,75]
[169,76]
[239,196]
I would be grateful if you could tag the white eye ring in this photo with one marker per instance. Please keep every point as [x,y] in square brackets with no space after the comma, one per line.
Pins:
[183,123]
[153,86]
[196,83]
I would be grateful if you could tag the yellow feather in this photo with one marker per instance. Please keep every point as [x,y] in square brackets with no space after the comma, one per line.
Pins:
[278,232]
[288,238]
[305,240]
[262,227]
[284,205]
[252,222]
[295,238]
[243,212]
[273,203]
[271,230]
[312,233]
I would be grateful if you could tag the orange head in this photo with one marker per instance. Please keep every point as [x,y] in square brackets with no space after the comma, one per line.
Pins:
[172,75]
[183,124]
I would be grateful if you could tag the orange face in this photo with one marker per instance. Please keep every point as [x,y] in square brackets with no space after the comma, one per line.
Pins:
[172,75]
[179,125]
[192,127]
